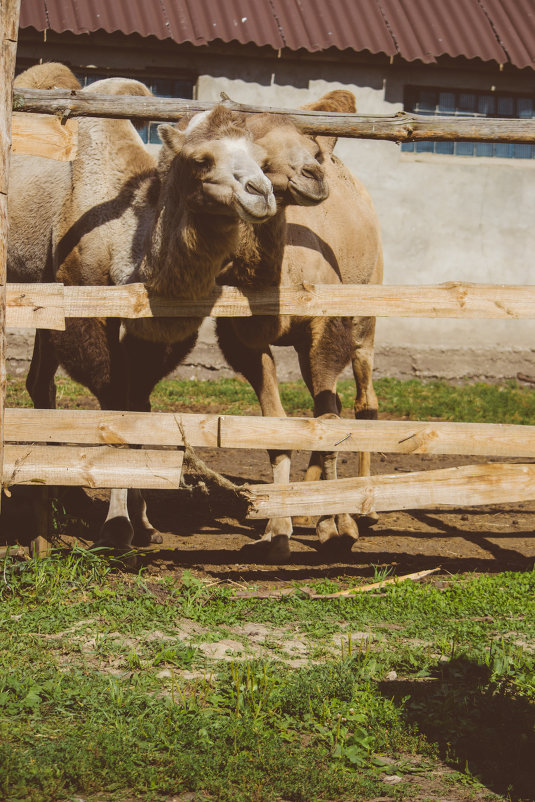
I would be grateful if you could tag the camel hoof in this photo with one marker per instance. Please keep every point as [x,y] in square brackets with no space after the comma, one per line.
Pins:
[337,534]
[347,526]
[278,526]
[274,550]
[326,529]
[279,551]
[116,533]
[146,537]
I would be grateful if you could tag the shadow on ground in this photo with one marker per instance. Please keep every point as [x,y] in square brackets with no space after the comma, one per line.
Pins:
[477,726]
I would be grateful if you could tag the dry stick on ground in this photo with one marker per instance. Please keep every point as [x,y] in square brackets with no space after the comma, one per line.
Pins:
[394,580]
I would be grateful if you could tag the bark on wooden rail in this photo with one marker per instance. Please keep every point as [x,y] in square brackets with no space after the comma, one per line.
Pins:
[401,127]
[46,305]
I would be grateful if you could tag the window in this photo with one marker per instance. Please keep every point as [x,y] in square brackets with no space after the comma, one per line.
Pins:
[461,103]
[160,87]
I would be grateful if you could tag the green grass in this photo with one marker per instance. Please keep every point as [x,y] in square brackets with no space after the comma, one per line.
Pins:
[107,689]
[485,403]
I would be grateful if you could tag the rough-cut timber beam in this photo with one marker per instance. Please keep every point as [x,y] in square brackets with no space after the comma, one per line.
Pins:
[47,305]
[45,136]
[401,127]
[9,25]
[99,427]
[461,487]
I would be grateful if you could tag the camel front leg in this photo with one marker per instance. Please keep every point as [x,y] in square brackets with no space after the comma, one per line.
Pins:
[146,364]
[117,531]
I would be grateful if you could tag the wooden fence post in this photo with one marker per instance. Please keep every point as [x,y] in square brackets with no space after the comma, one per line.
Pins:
[9,26]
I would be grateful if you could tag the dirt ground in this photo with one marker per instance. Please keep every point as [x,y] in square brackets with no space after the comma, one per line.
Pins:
[200,535]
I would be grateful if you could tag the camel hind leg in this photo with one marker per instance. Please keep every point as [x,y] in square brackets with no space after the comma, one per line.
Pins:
[89,352]
[43,366]
[366,404]
[258,367]
[322,358]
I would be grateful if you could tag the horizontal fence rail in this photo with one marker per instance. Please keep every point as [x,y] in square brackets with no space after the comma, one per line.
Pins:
[469,485]
[47,305]
[98,466]
[104,427]
[400,127]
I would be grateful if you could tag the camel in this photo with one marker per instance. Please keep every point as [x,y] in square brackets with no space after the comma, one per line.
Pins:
[117,216]
[338,241]
[90,352]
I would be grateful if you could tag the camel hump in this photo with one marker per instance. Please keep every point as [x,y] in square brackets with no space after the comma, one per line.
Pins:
[51,75]
[119,86]
[340,100]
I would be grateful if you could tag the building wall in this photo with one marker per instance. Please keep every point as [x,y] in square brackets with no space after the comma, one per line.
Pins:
[443,218]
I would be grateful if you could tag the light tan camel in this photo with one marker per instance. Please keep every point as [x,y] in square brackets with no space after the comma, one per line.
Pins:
[338,241]
[118,217]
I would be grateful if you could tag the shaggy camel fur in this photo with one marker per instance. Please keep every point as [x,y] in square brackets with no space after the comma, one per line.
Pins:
[125,219]
[338,241]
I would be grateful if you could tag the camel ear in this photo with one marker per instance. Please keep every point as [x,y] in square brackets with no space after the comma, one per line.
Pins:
[171,137]
[326,144]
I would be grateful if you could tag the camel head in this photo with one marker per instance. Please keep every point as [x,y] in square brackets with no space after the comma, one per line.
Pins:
[217,166]
[292,160]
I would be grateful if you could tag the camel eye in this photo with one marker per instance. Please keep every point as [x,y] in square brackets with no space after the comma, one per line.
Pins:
[203,161]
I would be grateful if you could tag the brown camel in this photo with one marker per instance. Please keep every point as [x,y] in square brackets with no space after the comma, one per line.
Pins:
[338,241]
[118,217]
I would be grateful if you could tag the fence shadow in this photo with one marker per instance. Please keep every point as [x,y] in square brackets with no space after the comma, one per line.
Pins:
[475,726]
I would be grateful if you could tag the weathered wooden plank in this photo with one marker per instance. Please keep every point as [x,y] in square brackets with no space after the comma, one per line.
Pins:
[98,427]
[36,306]
[98,466]
[95,427]
[44,135]
[451,300]
[401,127]
[466,486]
[9,24]
[392,437]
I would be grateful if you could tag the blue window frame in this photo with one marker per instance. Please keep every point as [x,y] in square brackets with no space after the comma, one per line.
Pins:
[160,87]
[462,103]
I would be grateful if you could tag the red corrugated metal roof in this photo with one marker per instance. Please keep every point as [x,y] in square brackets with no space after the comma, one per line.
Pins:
[427,29]
[491,30]
[514,24]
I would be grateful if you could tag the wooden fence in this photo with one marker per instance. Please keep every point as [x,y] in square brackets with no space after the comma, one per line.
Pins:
[90,448]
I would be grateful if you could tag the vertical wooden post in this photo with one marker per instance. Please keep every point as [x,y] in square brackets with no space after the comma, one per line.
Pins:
[9,26]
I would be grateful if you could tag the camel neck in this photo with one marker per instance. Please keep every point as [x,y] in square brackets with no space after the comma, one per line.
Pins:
[258,259]
[186,251]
